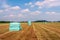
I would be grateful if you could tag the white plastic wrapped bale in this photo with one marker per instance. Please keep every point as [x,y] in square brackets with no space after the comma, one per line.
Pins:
[29,23]
[15,26]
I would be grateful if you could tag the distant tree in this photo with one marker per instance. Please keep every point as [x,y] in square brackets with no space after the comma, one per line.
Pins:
[58,21]
[41,21]
[4,21]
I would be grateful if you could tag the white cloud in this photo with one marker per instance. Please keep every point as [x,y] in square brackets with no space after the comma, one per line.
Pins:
[20,15]
[38,3]
[14,16]
[52,3]
[12,8]
[51,13]
[39,7]
[15,8]
[35,13]
[25,11]
[11,15]
[5,6]
[1,11]
[30,3]
[45,3]
[48,3]
[5,16]
[7,9]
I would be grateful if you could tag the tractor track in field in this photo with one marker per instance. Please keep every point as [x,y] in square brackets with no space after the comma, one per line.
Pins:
[51,30]
[47,32]
[25,34]
[37,31]
[41,34]
[52,33]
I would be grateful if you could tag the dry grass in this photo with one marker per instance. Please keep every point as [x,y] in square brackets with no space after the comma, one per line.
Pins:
[37,31]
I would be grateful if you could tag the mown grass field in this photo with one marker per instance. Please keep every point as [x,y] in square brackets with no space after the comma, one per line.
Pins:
[37,31]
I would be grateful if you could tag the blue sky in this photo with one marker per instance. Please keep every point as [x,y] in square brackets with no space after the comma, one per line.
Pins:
[22,10]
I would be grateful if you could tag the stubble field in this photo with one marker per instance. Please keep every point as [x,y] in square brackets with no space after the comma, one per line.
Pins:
[37,31]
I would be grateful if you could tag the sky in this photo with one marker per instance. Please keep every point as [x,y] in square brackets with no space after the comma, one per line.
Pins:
[24,10]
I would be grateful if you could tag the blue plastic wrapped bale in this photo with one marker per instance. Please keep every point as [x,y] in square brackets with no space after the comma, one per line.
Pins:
[14,26]
[29,23]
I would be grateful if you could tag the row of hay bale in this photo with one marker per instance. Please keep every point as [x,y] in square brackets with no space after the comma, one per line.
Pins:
[16,26]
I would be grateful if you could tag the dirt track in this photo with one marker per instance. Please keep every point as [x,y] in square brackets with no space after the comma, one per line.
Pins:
[37,31]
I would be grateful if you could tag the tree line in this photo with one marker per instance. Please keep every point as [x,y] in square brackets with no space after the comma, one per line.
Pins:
[27,21]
